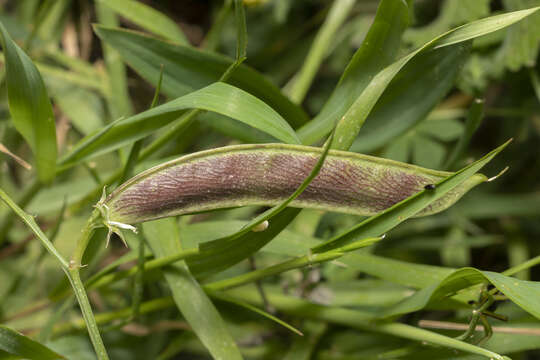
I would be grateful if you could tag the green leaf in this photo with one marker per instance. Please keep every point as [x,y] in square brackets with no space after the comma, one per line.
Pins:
[30,107]
[191,300]
[452,13]
[148,18]
[226,253]
[187,69]
[350,123]
[357,319]
[523,293]
[241,30]
[377,51]
[393,115]
[117,87]
[474,118]
[481,27]
[17,344]
[219,97]
[388,219]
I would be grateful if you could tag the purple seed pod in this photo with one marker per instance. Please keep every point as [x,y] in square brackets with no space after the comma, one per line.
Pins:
[266,174]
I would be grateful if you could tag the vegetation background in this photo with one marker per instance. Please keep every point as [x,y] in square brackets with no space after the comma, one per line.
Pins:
[402,298]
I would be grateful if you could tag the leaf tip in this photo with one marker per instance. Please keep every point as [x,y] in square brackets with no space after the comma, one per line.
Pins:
[493,178]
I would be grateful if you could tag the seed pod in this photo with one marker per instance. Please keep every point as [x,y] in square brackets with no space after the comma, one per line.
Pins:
[266,174]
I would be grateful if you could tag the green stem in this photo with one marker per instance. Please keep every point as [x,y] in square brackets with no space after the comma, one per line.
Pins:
[526,265]
[294,306]
[255,275]
[73,274]
[99,281]
[319,49]
[26,197]
[88,315]
[71,268]
[107,317]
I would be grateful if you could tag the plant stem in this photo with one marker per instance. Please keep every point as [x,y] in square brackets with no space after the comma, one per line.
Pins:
[272,270]
[71,268]
[99,281]
[526,265]
[88,315]
[73,273]
[27,196]
[319,50]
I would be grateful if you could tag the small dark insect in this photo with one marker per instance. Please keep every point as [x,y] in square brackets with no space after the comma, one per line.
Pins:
[430,187]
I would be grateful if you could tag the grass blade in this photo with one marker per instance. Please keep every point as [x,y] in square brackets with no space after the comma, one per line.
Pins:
[21,346]
[117,87]
[354,116]
[187,69]
[148,18]
[358,320]
[522,292]
[193,303]
[377,51]
[218,97]
[393,115]
[474,118]
[318,51]
[30,107]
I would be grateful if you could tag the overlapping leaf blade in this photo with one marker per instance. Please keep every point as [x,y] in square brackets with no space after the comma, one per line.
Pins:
[148,18]
[193,303]
[218,97]
[187,69]
[523,293]
[393,114]
[353,117]
[377,51]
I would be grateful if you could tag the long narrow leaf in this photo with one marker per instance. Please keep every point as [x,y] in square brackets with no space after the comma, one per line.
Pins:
[350,123]
[523,293]
[377,51]
[393,114]
[21,346]
[148,18]
[30,107]
[358,319]
[193,303]
[218,97]
[187,69]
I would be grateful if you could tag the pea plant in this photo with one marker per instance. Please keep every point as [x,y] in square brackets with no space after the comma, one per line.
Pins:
[269,179]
